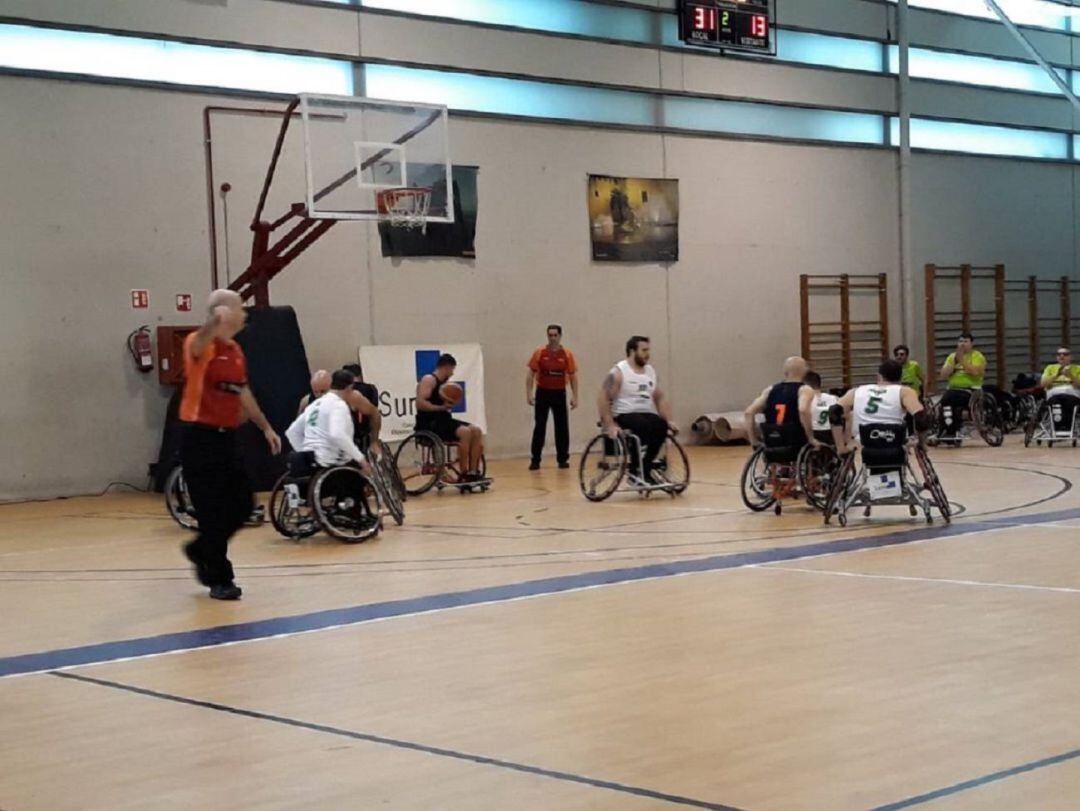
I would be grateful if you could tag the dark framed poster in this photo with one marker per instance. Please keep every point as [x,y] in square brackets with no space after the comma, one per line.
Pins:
[440,239]
[633,219]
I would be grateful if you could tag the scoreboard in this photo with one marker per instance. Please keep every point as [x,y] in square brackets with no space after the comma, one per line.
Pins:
[730,25]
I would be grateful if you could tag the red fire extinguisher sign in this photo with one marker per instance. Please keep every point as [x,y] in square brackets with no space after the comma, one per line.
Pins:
[140,299]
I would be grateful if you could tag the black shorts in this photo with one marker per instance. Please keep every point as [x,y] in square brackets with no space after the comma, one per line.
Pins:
[825,437]
[444,427]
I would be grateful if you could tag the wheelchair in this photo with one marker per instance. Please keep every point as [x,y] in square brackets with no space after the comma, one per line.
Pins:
[786,468]
[423,461]
[886,477]
[1046,424]
[182,510]
[983,415]
[339,500]
[606,462]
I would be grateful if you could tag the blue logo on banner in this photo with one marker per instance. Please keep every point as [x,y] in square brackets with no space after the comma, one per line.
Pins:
[425,365]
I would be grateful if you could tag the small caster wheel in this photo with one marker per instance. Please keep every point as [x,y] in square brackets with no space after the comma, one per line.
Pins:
[842,518]
[778,508]
[866,512]
[913,511]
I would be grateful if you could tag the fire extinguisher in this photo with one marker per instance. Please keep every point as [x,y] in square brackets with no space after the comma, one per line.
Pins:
[139,346]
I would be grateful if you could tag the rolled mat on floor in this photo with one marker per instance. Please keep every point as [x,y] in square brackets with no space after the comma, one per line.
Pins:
[726,427]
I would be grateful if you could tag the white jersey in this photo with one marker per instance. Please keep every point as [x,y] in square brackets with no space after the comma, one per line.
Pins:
[819,410]
[326,428]
[879,404]
[636,394]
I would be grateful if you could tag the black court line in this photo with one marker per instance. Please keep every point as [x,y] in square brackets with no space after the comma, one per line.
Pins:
[438,751]
[993,777]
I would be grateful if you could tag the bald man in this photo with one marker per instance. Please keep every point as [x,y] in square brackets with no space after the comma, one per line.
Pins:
[320,384]
[787,406]
[215,401]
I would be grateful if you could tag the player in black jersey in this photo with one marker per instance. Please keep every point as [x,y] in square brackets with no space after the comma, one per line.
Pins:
[785,407]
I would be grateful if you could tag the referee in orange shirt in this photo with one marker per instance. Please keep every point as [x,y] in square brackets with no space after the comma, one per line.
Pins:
[216,400]
[550,368]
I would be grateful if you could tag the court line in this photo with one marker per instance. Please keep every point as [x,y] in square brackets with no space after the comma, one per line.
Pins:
[945,580]
[397,743]
[330,619]
[993,777]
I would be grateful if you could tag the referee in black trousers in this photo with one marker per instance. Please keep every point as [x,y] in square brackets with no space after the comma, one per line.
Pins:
[551,368]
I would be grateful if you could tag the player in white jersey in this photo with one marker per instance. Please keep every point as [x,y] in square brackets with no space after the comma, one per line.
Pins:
[883,403]
[325,427]
[817,410]
[632,400]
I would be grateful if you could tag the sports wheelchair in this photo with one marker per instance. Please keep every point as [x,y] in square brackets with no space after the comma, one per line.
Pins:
[886,477]
[423,461]
[607,461]
[182,510]
[985,416]
[785,468]
[1049,423]
[340,500]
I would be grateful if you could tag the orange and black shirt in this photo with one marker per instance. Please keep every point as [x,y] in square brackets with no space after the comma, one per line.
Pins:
[213,382]
[552,368]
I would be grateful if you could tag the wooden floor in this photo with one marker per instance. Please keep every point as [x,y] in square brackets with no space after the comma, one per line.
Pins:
[526,649]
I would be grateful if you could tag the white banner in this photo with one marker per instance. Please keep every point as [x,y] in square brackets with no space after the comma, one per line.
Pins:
[395,370]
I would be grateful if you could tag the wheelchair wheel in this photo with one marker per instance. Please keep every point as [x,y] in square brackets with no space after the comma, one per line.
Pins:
[755,488]
[290,509]
[420,461]
[933,484]
[388,493]
[987,419]
[816,469]
[603,465]
[178,500]
[673,466]
[345,504]
[839,492]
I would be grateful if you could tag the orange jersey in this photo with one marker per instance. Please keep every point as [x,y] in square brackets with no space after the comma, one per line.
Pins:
[552,368]
[213,382]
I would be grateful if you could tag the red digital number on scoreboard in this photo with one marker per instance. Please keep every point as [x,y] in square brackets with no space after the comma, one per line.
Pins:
[759,26]
[704,19]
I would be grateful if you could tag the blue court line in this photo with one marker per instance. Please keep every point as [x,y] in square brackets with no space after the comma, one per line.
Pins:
[355,615]
[979,781]
[454,754]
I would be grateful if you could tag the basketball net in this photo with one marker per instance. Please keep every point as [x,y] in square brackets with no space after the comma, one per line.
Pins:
[405,207]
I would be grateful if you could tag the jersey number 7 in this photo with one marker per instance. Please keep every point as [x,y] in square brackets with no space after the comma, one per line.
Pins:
[781,412]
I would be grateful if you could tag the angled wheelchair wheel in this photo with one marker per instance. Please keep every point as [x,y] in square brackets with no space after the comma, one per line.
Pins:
[754,486]
[987,419]
[673,466]
[391,472]
[816,469]
[420,460]
[345,504]
[290,509]
[932,484]
[387,492]
[602,467]
[178,500]
[840,490]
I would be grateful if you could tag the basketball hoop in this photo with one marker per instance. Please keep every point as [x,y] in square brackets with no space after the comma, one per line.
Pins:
[405,207]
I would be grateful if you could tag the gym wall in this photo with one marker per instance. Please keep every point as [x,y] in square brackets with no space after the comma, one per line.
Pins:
[111,195]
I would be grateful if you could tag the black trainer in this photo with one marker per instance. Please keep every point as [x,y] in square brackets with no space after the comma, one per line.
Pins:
[564,465]
[534,464]
[226,591]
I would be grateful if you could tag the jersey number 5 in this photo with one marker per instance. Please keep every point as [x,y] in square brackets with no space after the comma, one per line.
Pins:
[872,405]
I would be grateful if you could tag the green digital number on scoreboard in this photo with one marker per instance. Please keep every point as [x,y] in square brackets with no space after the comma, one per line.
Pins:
[730,25]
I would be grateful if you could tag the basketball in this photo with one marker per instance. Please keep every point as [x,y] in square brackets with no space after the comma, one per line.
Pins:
[452,393]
